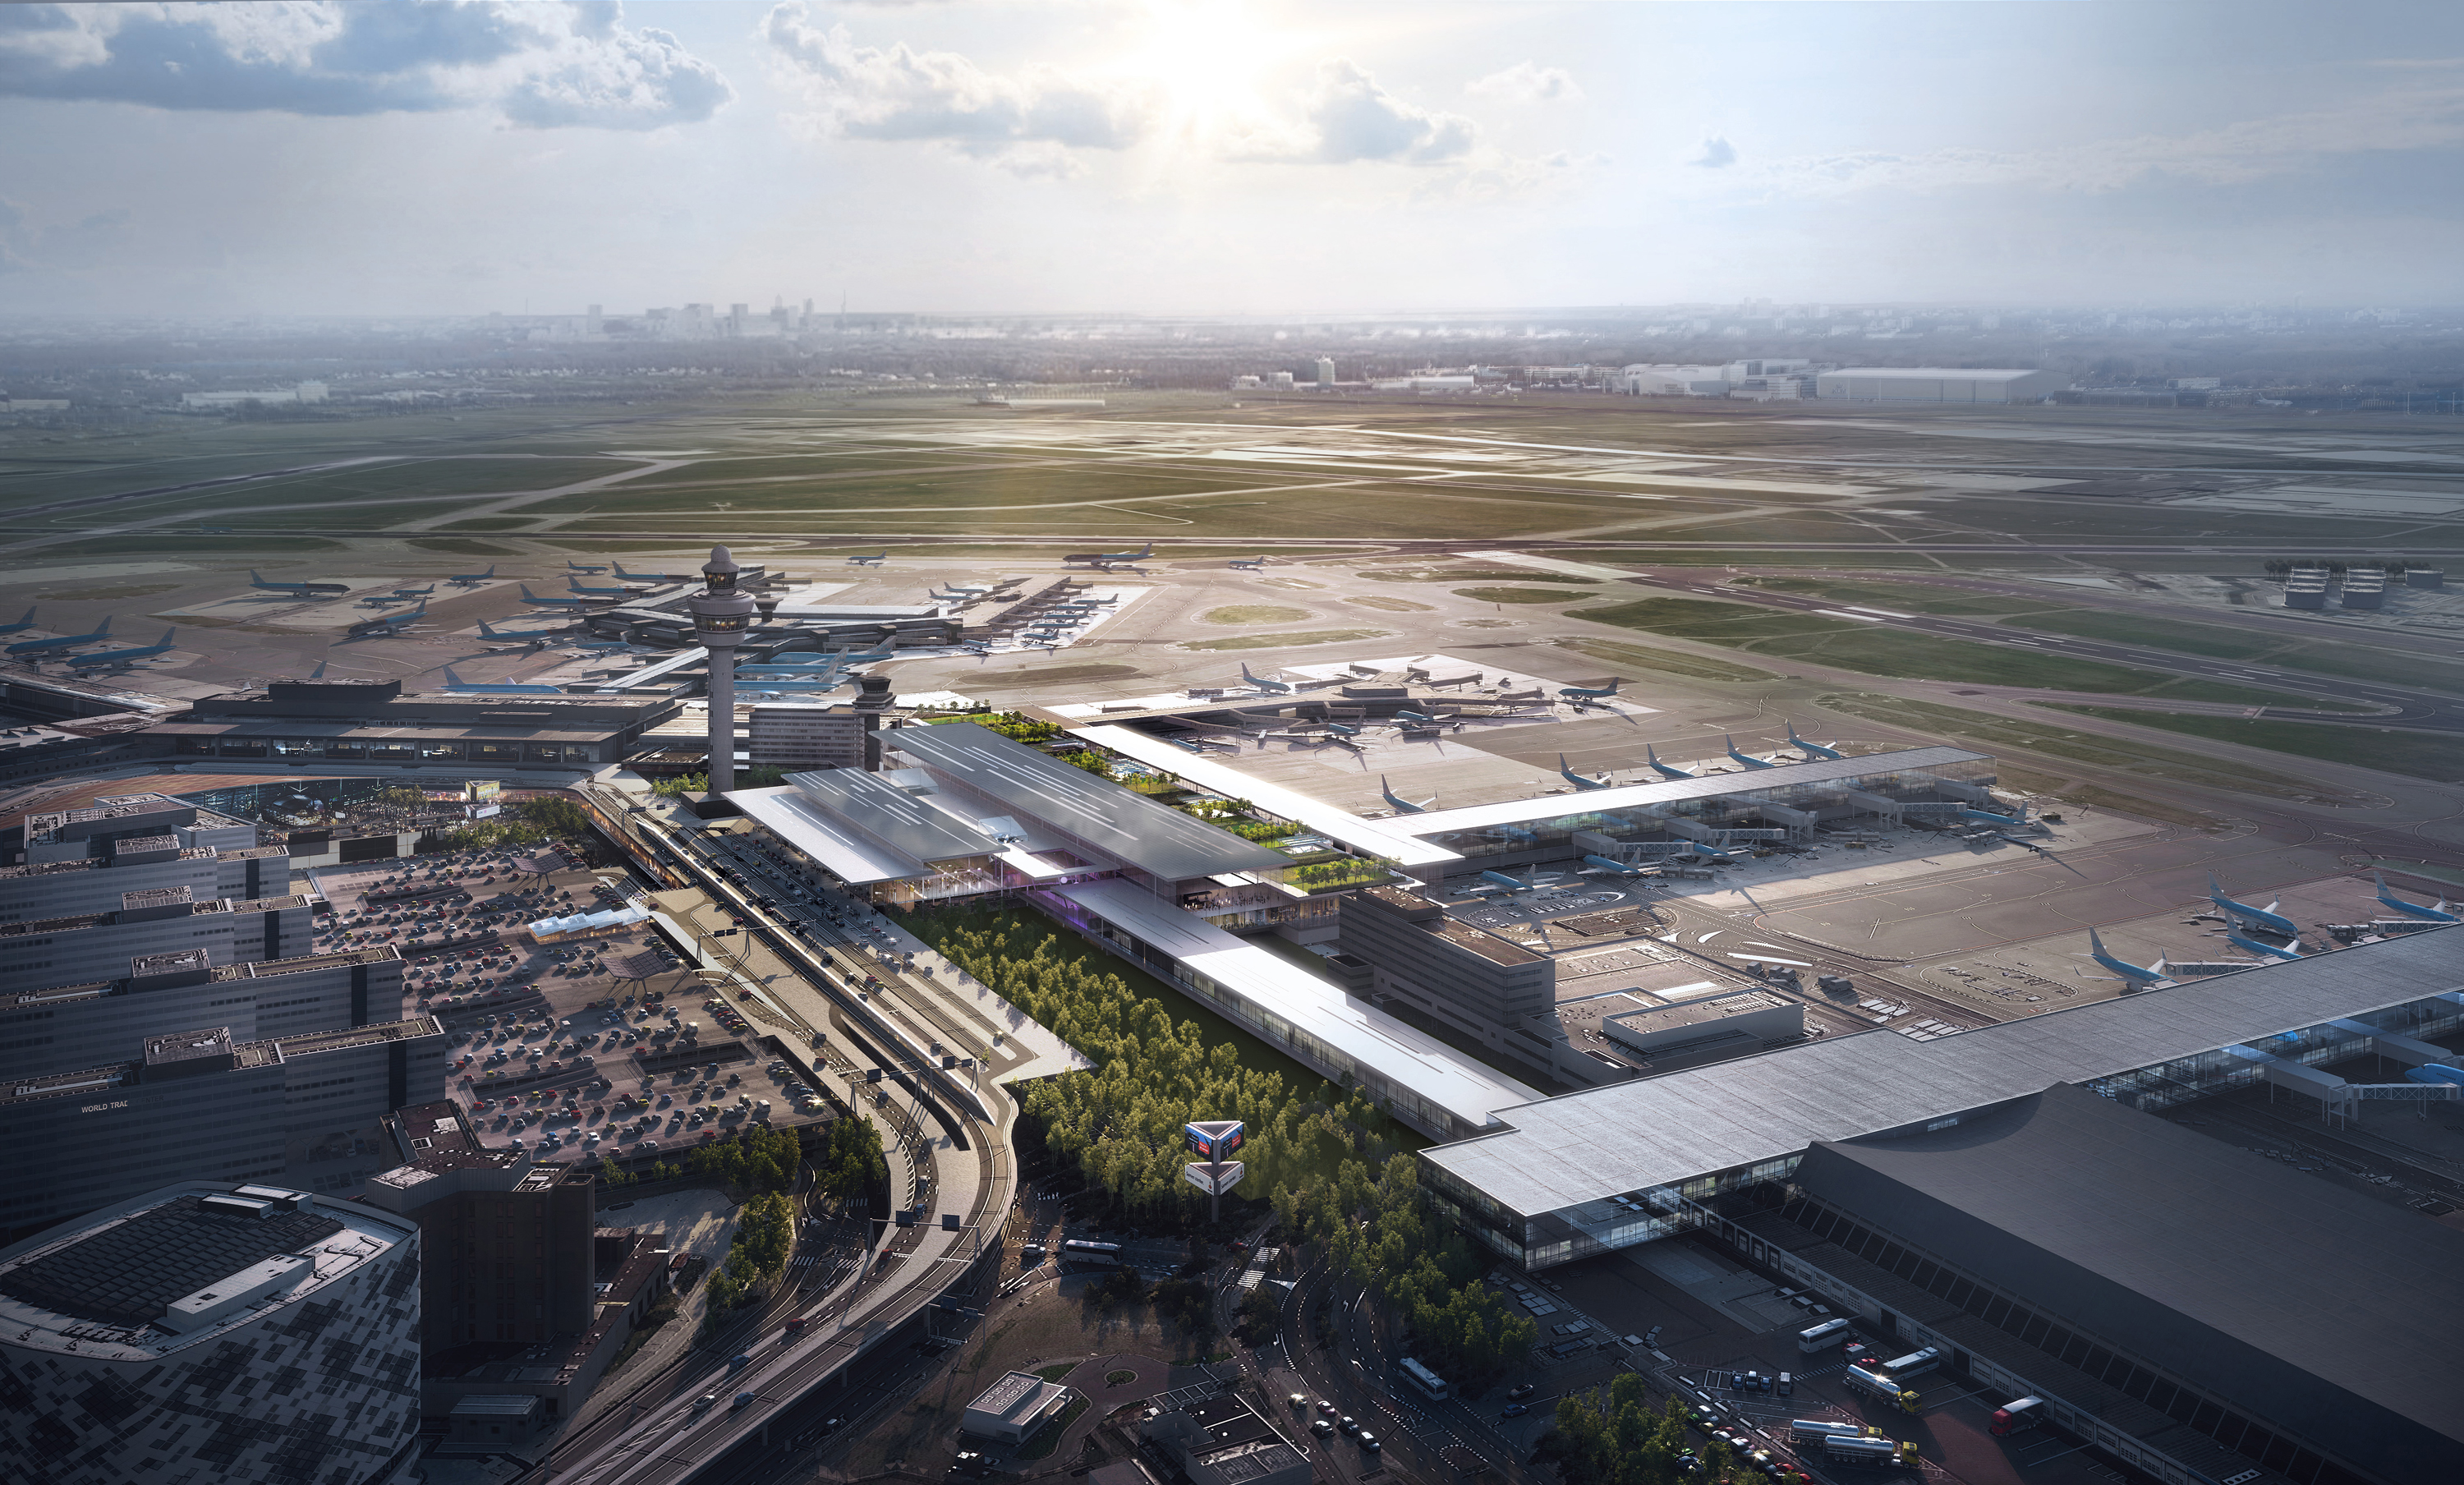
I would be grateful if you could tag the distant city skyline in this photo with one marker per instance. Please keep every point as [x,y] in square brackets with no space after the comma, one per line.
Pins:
[1213,157]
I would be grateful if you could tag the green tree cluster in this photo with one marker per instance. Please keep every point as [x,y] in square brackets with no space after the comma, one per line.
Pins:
[765,1235]
[1016,725]
[851,1163]
[1623,1440]
[759,1160]
[523,821]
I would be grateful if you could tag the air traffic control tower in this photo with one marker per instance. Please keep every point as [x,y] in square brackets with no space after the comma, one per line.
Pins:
[720,614]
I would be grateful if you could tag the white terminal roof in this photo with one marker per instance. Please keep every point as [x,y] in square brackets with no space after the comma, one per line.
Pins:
[1658,1131]
[842,852]
[1383,838]
[1402,1054]
[1842,772]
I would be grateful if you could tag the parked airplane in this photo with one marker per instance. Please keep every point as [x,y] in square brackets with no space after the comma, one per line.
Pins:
[2135,974]
[585,569]
[59,642]
[1746,760]
[298,589]
[414,592]
[456,684]
[2009,822]
[1810,750]
[1107,559]
[22,625]
[1577,779]
[1339,730]
[618,591]
[1664,770]
[653,577]
[119,659]
[873,560]
[471,579]
[1272,687]
[2435,915]
[1602,866]
[530,597]
[2434,1073]
[500,634]
[2250,945]
[1401,805]
[936,595]
[1591,693]
[1404,715]
[2266,918]
[388,624]
[1250,565]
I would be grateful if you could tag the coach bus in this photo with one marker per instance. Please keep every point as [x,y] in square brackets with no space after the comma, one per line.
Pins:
[1078,1251]
[1423,1381]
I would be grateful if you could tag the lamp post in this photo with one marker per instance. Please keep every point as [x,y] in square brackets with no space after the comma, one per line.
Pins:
[720,614]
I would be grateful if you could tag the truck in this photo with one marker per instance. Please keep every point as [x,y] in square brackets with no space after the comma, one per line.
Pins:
[1878,1452]
[1879,1384]
[1814,1431]
[2018,1416]
[1916,1363]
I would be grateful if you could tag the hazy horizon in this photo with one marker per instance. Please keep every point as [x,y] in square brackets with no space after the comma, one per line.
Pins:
[1212,159]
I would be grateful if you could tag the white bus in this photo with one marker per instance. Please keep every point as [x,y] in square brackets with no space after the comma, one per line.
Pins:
[1822,1336]
[1427,1381]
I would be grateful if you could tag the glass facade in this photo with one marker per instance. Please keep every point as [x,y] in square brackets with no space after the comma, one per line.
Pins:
[510,753]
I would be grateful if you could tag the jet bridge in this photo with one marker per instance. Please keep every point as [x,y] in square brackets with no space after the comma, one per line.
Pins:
[2339,1098]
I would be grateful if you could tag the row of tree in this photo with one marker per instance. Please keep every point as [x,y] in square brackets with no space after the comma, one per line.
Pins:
[1329,1159]
[851,1163]
[765,1234]
[756,1159]
[1623,1440]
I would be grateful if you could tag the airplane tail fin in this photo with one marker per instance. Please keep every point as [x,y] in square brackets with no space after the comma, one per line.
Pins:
[318,674]
[451,679]
[167,634]
[106,625]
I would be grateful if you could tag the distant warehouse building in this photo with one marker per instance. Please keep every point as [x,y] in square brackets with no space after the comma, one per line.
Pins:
[1937,383]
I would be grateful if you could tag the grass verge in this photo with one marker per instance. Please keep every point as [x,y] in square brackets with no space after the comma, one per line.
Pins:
[1519,595]
[1669,660]
[2417,755]
[1851,645]
[1044,1440]
[1310,637]
[1253,613]
[1985,729]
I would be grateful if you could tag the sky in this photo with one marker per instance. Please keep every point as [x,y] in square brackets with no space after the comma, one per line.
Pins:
[1222,157]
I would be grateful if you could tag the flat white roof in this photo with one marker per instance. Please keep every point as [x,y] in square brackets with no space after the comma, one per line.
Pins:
[1378,837]
[1843,772]
[1934,373]
[1402,1054]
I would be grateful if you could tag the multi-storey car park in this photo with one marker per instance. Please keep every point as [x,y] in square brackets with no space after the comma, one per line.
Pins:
[208,1330]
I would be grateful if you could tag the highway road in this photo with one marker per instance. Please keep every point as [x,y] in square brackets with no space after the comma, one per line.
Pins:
[671,1437]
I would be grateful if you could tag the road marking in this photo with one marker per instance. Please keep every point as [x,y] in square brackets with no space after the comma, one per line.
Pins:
[1885,612]
[1842,614]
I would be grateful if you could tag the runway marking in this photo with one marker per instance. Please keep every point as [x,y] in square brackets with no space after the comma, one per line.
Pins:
[1842,614]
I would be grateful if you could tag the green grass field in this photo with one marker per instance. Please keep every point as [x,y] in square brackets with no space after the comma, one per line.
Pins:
[1859,647]
[1253,613]
[2419,755]
[1520,595]
[1310,637]
[1699,667]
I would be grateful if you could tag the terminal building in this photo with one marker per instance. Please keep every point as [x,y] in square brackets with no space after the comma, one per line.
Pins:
[371,721]
[2008,1195]
[212,1331]
[1963,385]
[203,1104]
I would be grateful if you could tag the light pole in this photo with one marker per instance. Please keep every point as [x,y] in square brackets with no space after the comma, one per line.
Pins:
[720,614]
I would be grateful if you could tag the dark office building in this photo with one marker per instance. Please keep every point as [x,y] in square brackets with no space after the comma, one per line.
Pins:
[1470,978]
[2194,1309]
[371,721]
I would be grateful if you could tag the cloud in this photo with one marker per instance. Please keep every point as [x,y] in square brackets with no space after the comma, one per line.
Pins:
[1350,117]
[2237,153]
[1718,154]
[1527,82]
[899,93]
[539,65]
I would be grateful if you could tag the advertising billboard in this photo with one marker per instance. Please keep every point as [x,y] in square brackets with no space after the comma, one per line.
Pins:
[1214,1177]
[1213,1142]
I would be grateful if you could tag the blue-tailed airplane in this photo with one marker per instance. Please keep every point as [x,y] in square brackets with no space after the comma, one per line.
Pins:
[388,624]
[21,626]
[1401,805]
[2266,918]
[456,684]
[59,642]
[1810,750]
[1270,687]
[2433,915]
[2134,974]
[1107,559]
[119,659]
[530,597]
[415,592]
[873,560]
[1711,853]
[571,565]
[1250,565]
[1415,718]
[1602,866]
[1746,760]
[1591,693]
[471,579]
[2434,1073]
[617,592]
[1577,779]
[1510,883]
[487,633]
[2009,822]
[1664,770]
[298,589]
[651,577]
[1339,730]
[2251,945]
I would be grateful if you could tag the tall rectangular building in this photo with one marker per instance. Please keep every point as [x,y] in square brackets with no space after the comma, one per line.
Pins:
[202,1105]
[41,953]
[90,1024]
[804,735]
